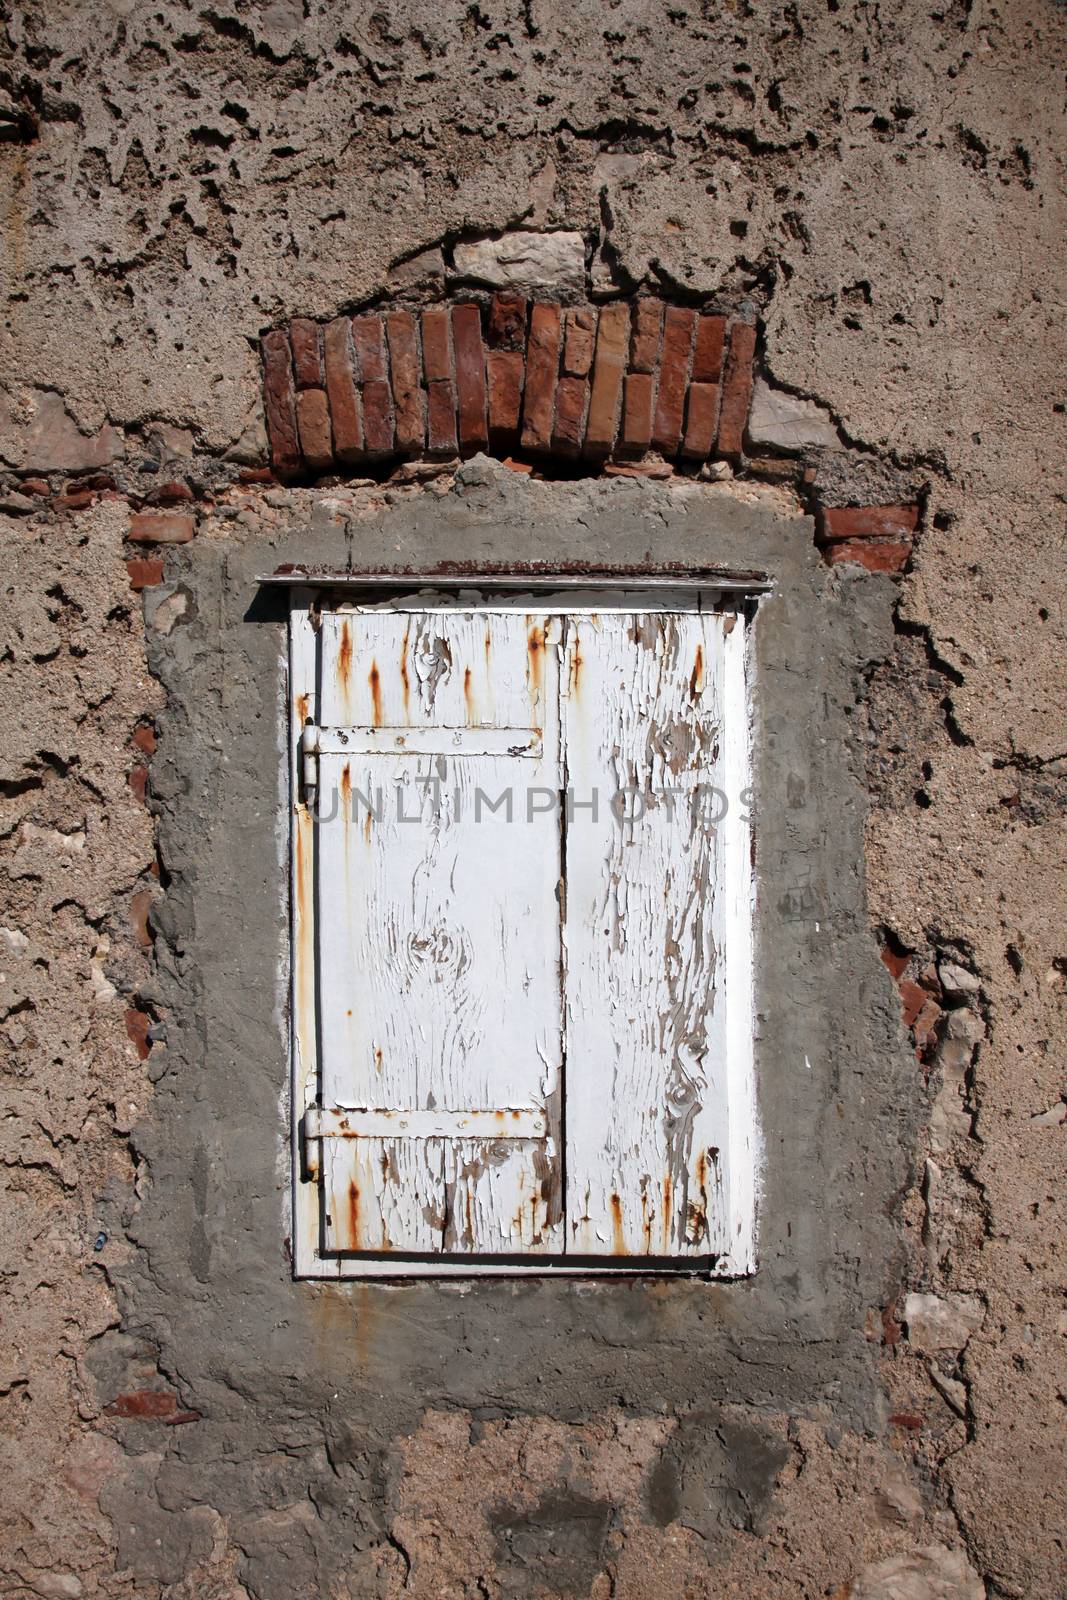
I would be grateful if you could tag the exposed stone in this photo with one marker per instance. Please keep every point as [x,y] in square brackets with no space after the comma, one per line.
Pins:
[423,271]
[53,442]
[936,1322]
[931,1573]
[956,980]
[524,261]
[787,422]
[162,527]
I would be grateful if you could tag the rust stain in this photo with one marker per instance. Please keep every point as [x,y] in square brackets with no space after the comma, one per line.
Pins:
[367,825]
[346,788]
[405,686]
[378,1068]
[535,663]
[619,1244]
[696,681]
[668,1196]
[303,707]
[353,1215]
[468,696]
[374,679]
[344,658]
[577,663]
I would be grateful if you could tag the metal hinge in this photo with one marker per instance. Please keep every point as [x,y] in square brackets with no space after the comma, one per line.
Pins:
[309,761]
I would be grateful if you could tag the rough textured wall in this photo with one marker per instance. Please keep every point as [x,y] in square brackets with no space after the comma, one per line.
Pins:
[886,183]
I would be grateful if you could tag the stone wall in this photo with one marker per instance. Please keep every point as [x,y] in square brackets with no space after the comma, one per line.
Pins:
[880,193]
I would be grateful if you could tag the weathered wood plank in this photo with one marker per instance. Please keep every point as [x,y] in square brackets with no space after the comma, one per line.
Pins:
[645,1015]
[440,939]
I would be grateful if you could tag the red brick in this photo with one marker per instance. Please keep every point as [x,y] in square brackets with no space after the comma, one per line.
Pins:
[517,466]
[612,343]
[74,500]
[144,571]
[436,345]
[897,964]
[505,370]
[644,341]
[346,419]
[143,738]
[470,378]
[137,1026]
[161,527]
[140,906]
[137,778]
[678,328]
[441,418]
[572,398]
[736,389]
[377,399]
[876,555]
[867,522]
[279,399]
[37,486]
[143,1403]
[702,413]
[507,322]
[256,475]
[407,391]
[542,365]
[307,355]
[313,423]
[912,997]
[168,494]
[707,350]
[637,412]
[368,341]
[579,342]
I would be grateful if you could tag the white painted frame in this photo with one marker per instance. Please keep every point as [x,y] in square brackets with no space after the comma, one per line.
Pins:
[734,917]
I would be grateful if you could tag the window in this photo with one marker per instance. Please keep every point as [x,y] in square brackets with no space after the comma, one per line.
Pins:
[522,898]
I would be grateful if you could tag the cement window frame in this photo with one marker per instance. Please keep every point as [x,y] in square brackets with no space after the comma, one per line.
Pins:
[565,594]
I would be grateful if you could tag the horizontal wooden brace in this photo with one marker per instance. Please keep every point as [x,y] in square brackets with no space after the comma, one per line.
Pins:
[429,742]
[342,1122]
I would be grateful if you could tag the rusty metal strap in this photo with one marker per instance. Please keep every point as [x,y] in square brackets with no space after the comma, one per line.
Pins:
[340,1122]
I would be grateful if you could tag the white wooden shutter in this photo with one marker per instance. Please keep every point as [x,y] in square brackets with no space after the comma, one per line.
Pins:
[439,935]
[533,1035]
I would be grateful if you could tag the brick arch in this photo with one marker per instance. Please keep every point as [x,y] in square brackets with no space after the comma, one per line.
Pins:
[580,383]
[636,386]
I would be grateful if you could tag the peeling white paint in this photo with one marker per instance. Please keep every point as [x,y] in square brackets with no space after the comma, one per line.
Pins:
[582,969]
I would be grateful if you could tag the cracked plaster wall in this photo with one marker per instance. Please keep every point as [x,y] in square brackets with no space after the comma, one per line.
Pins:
[887,185]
